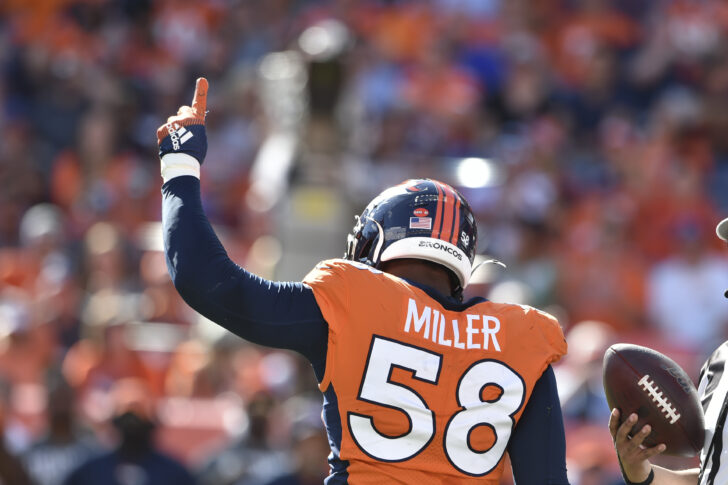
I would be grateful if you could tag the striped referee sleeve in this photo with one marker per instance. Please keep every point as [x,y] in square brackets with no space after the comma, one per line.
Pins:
[713,389]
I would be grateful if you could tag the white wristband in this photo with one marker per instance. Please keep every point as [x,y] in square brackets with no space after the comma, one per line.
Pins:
[178,164]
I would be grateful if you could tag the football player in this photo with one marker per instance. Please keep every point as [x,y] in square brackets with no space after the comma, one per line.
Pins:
[418,386]
[634,458]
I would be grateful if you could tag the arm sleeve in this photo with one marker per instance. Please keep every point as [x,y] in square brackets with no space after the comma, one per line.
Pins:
[275,314]
[538,446]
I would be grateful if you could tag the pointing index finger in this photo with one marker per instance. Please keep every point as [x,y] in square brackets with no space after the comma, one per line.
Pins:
[199,101]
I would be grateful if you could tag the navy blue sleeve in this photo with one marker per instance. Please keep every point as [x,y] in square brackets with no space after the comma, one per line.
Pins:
[538,447]
[274,314]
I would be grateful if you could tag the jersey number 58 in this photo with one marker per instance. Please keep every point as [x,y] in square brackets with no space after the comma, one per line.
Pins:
[378,388]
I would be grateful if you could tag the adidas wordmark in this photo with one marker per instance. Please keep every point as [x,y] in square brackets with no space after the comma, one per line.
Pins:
[178,134]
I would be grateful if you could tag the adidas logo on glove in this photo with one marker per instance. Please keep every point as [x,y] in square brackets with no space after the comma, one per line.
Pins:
[178,135]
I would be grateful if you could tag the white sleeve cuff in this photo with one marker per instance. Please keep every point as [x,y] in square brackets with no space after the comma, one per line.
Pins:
[178,164]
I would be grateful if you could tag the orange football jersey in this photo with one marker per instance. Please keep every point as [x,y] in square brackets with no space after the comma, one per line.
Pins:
[426,394]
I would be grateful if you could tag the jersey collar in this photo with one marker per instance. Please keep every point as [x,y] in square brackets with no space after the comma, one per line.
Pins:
[447,302]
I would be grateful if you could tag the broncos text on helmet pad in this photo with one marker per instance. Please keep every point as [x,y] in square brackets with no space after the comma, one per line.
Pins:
[419,219]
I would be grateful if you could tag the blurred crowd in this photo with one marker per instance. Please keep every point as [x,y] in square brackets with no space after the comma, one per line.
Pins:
[601,125]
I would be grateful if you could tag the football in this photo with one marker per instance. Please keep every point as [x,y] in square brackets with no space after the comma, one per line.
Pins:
[643,381]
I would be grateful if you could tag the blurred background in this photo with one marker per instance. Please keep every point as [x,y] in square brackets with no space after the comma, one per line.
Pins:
[588,135]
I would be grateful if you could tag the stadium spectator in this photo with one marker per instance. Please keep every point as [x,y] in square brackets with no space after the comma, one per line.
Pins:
[11,468]
[309,450]
[135,460]
[688,287]
[250,459]
[51,459]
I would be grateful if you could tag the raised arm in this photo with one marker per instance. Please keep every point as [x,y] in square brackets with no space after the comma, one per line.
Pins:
[275,314]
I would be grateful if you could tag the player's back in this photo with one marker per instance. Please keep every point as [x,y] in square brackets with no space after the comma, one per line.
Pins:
[426,391]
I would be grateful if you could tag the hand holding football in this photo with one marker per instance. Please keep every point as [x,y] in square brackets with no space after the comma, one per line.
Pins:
[642,381]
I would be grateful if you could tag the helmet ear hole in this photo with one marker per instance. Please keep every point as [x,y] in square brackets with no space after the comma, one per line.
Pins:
[365,250]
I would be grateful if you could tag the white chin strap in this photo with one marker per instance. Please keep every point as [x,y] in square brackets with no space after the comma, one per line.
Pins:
[434,250]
